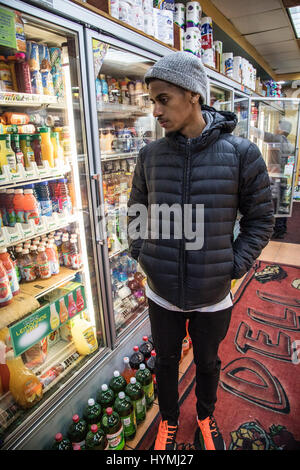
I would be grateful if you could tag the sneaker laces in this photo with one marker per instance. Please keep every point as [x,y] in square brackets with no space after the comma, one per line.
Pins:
[165,434]
[213,426]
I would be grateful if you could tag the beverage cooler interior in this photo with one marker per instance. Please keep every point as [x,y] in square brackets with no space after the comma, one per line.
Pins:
[125,124]
[50,322]
[220,98]
[274,128]
[241,109]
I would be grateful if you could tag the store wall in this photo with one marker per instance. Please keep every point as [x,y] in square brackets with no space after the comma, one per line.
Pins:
[58,419]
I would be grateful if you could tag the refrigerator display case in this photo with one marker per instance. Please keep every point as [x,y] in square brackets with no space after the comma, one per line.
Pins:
[123,124]
[220,97]
[51,316]
[241,109]
[274,127]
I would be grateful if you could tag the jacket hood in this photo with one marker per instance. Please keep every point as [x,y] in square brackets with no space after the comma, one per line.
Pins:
[217,122]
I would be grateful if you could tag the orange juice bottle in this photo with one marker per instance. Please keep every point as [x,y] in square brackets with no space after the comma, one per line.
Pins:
[31,210]
[58,153]
[24,386]
[46,146]
[63,312]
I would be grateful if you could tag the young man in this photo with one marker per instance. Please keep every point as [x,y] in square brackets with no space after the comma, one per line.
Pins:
[198,164]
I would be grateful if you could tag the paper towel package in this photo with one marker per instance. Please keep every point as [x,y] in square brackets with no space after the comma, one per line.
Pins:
[193,15]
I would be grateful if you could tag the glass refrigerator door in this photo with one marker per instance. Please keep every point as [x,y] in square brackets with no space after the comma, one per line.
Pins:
[220,98]
[241,109]
[123,124]
[274,128]
[51,329]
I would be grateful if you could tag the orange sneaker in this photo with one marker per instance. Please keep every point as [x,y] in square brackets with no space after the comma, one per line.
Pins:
[165,439]
[211,435]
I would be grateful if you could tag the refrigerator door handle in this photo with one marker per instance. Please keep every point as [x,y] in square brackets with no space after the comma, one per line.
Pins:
[100,214]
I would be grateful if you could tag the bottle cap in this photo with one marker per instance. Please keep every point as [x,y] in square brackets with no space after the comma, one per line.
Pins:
[153,353]
[135,348]
[25,251]
[41,248]
[18,191]
[116,373]
[104,387]
[28,191]
[75,418]
[145,338]
[18,249]
[91,401]
[109,411]
[94,428]
[121,395]
[126,360]
[3,250]
[33,248]
[142,366]
[132,380]
[58,437]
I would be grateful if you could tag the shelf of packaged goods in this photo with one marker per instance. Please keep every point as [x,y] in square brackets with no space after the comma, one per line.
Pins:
[31,175]
[20,233]
[15,99]
[122,110]
[117,252]
[118,156]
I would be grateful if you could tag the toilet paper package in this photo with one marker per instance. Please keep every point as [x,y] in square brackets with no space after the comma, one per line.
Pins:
[218,48]
[163,26]
[148,7]
[148,23]
[179,15]
[193,14]
[228,63]
[114,8]
[192,41]
[237,68]
[207,57]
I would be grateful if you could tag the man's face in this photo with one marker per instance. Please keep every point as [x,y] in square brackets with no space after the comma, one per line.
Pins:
[172,105]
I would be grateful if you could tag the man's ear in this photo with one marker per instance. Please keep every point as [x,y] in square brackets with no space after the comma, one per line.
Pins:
[194,97]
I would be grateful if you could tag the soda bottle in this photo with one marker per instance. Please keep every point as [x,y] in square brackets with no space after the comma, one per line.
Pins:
[65,248]
[144,377]
[63,312]
[18,203]
[43,196]
[136,394]
[127,372]
[10,269]
[125,410]
[28,269]
[146,347]
[117,383]
[79,300]
[92,413]
[96,439]
[61,443]
[6,296]
[136,358]
[36,145]
[75,262]
[15,145]
[77,430]
[25,144]
[113,428]
[31,211]
[105,396]
[58,243]
[46,146]
[151,367]
[43,263]
[9,206]
[52,258]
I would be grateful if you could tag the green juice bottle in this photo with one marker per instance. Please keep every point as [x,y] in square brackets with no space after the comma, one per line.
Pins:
[61,443]
[105,397]
[144,377]
[136,394]
[77,431]
[92,413]
[113,428]
[125,410]
[96,439]
[117,383]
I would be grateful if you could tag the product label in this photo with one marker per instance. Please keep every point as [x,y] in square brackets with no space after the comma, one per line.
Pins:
[140,407]
[12,276]
[90,338]
[66,259]
[75,261]
[11,217]
[116,440]
[20,217]
[29,273]
[129,424]
[5,291]
[11,160]
[31,215]
[149,392]
[46,208]
[32,390]
[44,270]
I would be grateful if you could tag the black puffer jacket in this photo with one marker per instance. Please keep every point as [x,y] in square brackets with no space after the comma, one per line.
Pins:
[223,172]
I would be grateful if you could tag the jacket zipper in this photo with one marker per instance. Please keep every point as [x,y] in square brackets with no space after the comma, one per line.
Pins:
[185,201]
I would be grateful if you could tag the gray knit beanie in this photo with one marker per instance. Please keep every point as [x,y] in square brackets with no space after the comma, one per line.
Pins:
[182,69]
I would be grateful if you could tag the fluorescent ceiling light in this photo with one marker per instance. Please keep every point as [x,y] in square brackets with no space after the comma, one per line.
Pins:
[294,13]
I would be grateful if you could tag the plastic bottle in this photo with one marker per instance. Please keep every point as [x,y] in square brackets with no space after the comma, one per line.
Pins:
[113,428]
[54,317]
[18,252]
[10,269]
[18,202]
[92,413]
[33,251]
[46,146]
[15,145]
[144,377]
[65,249]
[3,158]
[79,300]
[24,386]
[96,439]
[72,309]
[117,383]
[127,372]
[22,73]
[27,266]
[36,145]
[58,153]
[4,370]
[6,81]
[25,144]
[66,144]
[75,261]
[9,206]
[14,261]
[125,410]
[31,210]
[104,88]
[43,194]
[52,258]
[64,199]
[83,336]
[58,243]
[77,431]
[63,312]
[61,443]
[105,396]
[151,367]
[10,154]
[136,358]
[136,394]
[43,263]
[146,347]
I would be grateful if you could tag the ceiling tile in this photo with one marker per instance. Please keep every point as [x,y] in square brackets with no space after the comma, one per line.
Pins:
[280,34]
[277,47]
[261,22]
[233,8]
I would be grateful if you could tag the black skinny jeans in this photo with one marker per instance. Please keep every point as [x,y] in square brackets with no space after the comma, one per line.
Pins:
[207,330]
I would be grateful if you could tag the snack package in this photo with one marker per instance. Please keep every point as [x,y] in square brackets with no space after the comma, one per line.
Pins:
[55,59]
[20,34]
[47,82]
[36,82]
[44,56]
[37,354]
[32,51]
